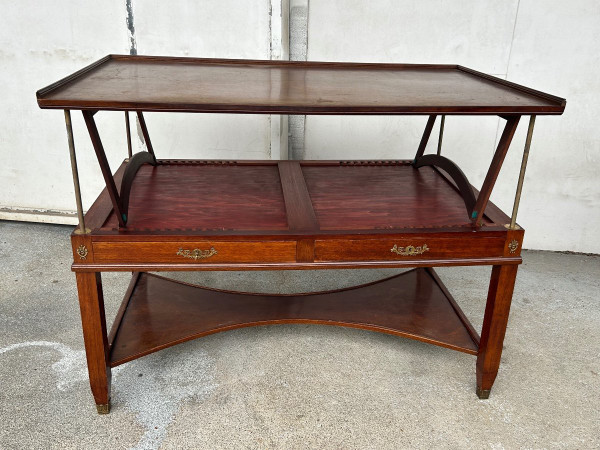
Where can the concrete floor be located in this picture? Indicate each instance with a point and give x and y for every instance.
(299, 386)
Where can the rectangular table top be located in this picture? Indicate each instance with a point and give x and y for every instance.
(263, 198)
(237, 215)
(148, 83)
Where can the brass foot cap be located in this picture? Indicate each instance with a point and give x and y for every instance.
(483, 394)
(103, 409)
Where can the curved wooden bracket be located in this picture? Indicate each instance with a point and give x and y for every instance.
(131, 169)
(475, 206)
(457, 175)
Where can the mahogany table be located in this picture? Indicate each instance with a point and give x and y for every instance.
(172, 215)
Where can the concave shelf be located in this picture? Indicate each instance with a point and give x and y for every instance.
(158, 312)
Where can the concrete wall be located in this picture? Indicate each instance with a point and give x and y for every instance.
(41, 42)
(550, 45)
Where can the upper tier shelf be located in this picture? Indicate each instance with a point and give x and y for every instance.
(276, 198)
(148, 83)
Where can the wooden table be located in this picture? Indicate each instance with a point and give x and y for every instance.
(171, 215)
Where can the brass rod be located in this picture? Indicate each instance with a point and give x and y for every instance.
(439, 149)
(128, 127)
(513, 218)
(82, 229)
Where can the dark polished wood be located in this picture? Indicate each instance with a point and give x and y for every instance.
(104, 167)
(494, 327)
(133, 165)
(122, 82)
(119, 317)
(162, 312)
(380, 249)
(425, 137)
(93, 322)
(394, 196)
(263, 251)
(406, 207)
(102, 207)
(455, 172)
(459, 312)
(327, 197)
(291, 215)
(298, 206)
(291, 265)
(494, 170)
(269, 215)
(212, 196)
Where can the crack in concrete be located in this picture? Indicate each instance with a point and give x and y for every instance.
(130, 28)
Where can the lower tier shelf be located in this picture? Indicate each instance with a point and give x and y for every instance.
(158, 312)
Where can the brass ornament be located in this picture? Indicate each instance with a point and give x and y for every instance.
(103, 409)
(410, 250)
(82, 251)
(513, 245)
(197, 253)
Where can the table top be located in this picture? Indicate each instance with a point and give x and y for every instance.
(236, 215)
(148, 83)
(226, 198)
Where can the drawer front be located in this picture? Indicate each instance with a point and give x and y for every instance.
(203, 252)
(406, 249)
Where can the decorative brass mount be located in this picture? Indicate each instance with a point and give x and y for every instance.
(410, 250)
(513, 245)
(197, 253)
(82, 251)
(103, 409)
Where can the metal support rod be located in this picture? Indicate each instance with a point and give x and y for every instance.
(513, 218)
(439, 149)
(82, 229)
(128, 127)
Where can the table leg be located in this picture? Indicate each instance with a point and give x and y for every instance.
(93, 321)
(497, 308)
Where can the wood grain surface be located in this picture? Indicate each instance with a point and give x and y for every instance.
(209, 85)
(237, 197)
(223, 197)
(162, 312)
(382, 197)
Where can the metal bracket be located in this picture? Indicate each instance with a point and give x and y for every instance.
(82, 229)
(441, 136)
(513, 218)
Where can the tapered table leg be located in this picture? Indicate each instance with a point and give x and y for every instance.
(497, 308)
(93, 321)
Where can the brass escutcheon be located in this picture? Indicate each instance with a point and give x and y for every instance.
(197, 253)
(410, 250)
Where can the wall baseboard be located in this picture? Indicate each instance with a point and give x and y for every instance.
(39, 215)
